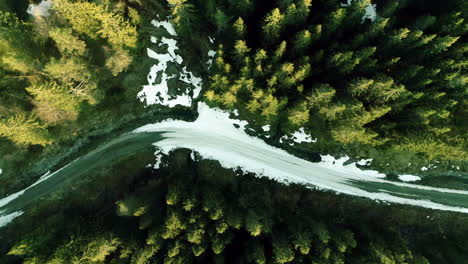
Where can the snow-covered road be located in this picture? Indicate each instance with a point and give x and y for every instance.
(213, 135)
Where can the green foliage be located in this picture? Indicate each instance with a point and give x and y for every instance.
(54, 103)
(282, 224)
(67, 43)
(95, 21)
(24, 129)
(183, 15)
(59, 62)
(273, 25)
(379, 74)
(239, 27)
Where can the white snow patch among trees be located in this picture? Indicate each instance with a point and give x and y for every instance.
(299, 136)
(332, 163)
(364, 162)
(409, 178)
(40, 10)
(371, 13)
(211, 54)
(158, 93)
(166, 25)
(266, 128)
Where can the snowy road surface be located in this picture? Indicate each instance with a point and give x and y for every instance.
(214, 136)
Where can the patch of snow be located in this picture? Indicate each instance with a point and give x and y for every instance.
(166, 25)
(6, 219)
(299, 136)
(371, 13)
(214, 136)
(211, 40)
(40, 10)
(211, 55)
(409, 178)
(1, 171)
(332, 163)
(192, 155)
(235, 112)
(158, 155)
(158, 93)
(266, 128)
(424, 169)
(154, 39)
(364, 162)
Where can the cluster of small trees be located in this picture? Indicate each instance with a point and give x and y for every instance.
(50, 66)
(200, 213)
(396, 81)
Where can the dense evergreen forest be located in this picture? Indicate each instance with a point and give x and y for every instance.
(67, 75)
(390, 87)
(197, 212)
(394, 82)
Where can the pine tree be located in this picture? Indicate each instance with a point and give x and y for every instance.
(302, 242)
(335, 20)
(240, 28)
(54, 103)
(280, 50)
(360, 86)
(222, 20)
(241, 49)
(67, 43)
(95, 21)
(282, 253)
(441, 44)
(302, 41)
(256, 253)
(321, 95)
(242, 7)
(24, 129)
(68, 71)
(183, 15)
(344, 62)
(273, 25)
(299, 115)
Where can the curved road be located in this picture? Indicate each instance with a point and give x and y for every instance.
(213, 135)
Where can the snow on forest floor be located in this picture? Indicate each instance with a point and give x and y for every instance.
(370, 12)
(158, 90)
(409, 178)
(215, 136)
(41, 9)
(299, 136)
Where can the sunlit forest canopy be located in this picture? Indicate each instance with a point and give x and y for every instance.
(57, 60)
(389, 75)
